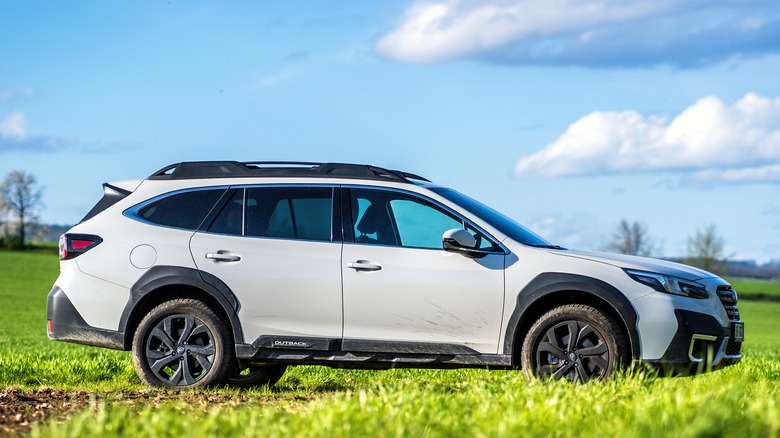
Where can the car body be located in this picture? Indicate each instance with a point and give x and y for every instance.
(215, 272)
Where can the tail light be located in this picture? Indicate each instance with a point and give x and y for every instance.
(73, 245)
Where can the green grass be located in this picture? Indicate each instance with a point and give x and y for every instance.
(742, 400)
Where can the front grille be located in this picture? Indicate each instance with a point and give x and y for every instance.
(733, 348)
(728, 297)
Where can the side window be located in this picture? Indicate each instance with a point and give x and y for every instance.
(230, 219)
(420, 225)
(181, 210)
(389, 218)
(289, 212)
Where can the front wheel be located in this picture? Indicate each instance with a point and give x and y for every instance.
(182, 343)
(575, 342)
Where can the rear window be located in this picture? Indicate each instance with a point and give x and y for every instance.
(303, 213)
(181, 210)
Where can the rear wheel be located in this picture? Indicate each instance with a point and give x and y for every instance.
(256, 375)
(182, 343)
(575, 342)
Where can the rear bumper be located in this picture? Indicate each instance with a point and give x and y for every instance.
(700, 344)
(64, 323)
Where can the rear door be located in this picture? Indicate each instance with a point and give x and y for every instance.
(275, 247)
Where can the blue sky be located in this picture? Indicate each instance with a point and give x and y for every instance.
(566, 115)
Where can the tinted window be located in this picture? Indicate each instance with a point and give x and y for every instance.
(182, 210)
(230, 219)
(289, 212)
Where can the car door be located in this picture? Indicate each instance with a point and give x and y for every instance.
(274, 247)
(403, 292)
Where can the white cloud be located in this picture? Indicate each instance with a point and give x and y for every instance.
(583, 32)
(770, 173)
(14, 135)
(13, 127)
(715, 141)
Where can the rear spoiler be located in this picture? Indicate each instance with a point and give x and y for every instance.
(111, 195)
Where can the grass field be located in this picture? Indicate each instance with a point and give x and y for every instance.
(754, 289)
(743, 400)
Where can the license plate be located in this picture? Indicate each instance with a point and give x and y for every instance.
(738, 331)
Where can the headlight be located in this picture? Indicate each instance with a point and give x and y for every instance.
(667, 284)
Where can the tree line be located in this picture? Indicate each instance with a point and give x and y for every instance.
(705, 247)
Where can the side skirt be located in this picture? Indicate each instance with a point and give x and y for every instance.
(361, 354)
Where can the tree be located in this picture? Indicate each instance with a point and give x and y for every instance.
(705, 248)
(631, 238)
(21, 199)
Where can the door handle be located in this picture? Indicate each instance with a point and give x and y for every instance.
(364, 265)
(223, 256)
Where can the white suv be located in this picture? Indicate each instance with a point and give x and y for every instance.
(227, 272)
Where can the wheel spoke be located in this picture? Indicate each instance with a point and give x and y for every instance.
(585, 332)
(574, 331)
(167, 328)
(596, 350)
(549, 369)
(583, 374)
(598, 362)
(189, 325)
(186, 367)
(203, 361)
(546, 347)
(563, 370)
(199, 329)
(177, 376)
(207, 350)
(164, 337)
(158, 365)
(155, 355)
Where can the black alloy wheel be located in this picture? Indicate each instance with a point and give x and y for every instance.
(182, 343)
(574, 342)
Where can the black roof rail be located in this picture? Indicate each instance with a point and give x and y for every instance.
(235, 169)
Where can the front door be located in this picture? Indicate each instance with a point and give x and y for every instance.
(403, 292)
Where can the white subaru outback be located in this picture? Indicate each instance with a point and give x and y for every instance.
(227, 272)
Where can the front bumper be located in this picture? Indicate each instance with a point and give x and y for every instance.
(700, 344)
(64, 323)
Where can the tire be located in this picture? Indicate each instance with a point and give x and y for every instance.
(182, 343)
(575, 342)
(256, 375)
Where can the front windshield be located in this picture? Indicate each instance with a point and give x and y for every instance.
(497, 220)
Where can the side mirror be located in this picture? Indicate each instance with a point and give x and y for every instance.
(462, 242)
(458, 239)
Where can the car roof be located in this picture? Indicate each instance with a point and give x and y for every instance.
(277, 169)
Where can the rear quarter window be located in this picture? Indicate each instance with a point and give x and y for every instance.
(181, 210)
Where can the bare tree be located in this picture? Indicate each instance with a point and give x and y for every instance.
(631, 238)
(705, 248)
(21, 199)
